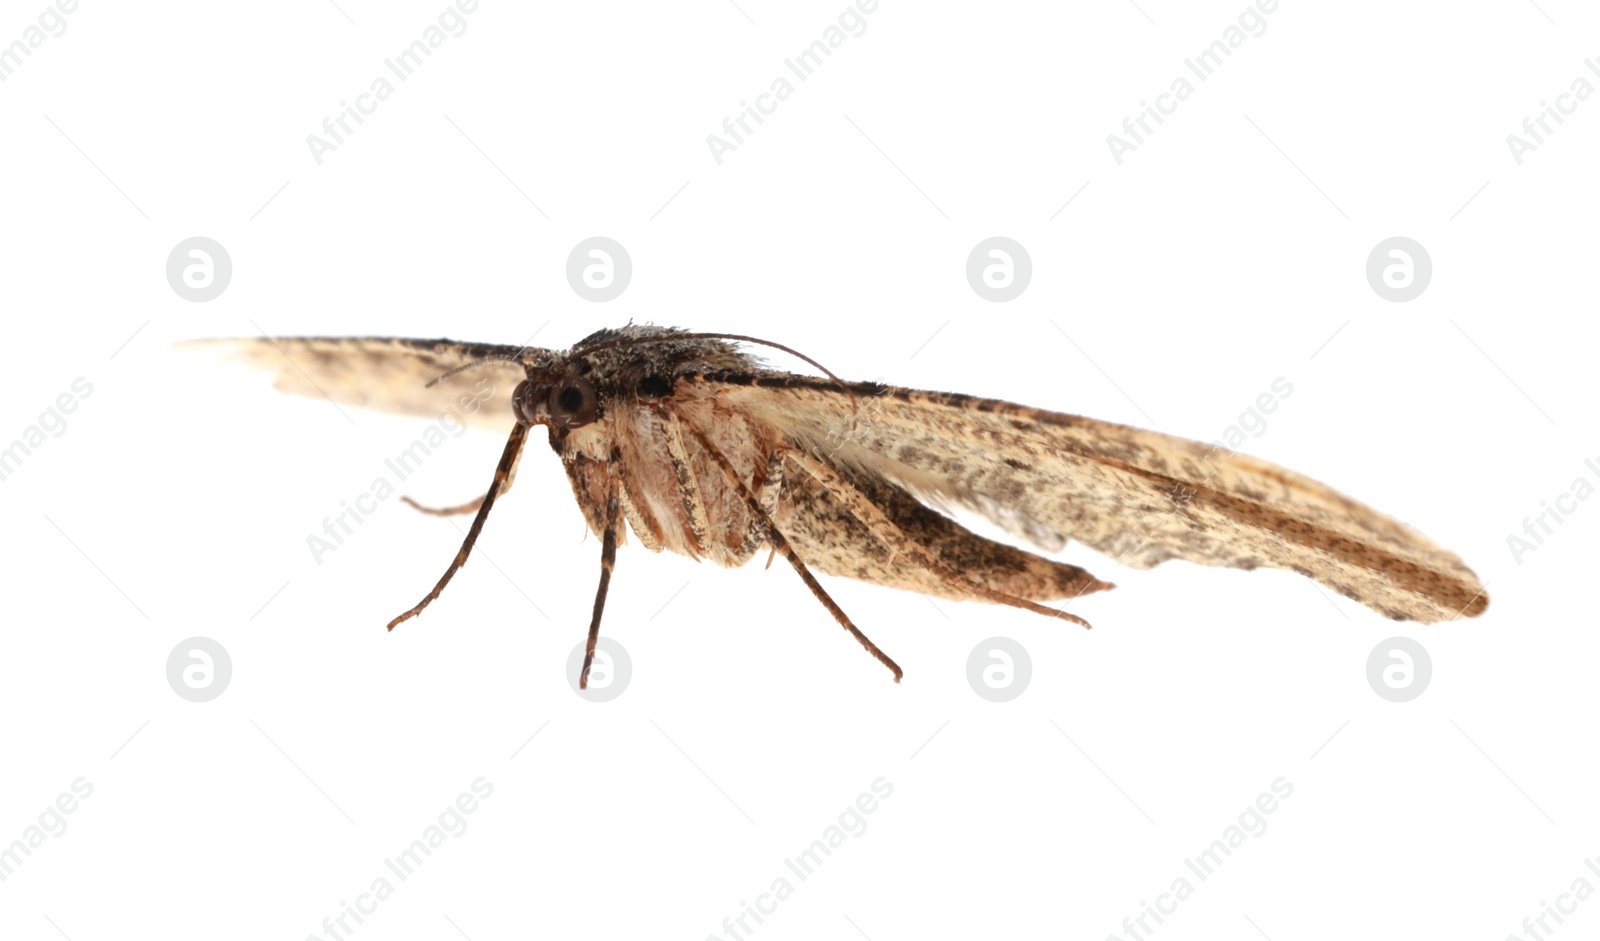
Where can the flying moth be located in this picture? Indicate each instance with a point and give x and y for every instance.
(696, 447)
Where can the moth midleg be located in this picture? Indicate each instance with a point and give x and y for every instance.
(782, 547)
(644, 526)
(767, 493)
(608, 561)
(882, 528)
(772, 484)
(470, 506)
(502, 473)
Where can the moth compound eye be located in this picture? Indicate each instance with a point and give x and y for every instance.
(573, 402)
(522, 403)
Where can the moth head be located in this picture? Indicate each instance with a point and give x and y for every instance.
(568, 400)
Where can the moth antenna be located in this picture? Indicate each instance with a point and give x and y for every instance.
(740, 338)
(472, 365)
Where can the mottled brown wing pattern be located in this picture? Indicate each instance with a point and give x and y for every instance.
(1138, 496)
(388, 373)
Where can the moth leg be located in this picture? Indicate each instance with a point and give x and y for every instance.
(693, 501)
(469, 507)
(457, 510)
(781, 546)
(608, 560)
(768, 490)
(502, 473)
(885, 531)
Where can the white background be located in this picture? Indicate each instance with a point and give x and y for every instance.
(1224, 253)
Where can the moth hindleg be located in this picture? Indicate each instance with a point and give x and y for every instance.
(502, 473)
(781, 546)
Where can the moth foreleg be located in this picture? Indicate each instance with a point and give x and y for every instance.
(502, 473)
(781, 546)
(608, 560)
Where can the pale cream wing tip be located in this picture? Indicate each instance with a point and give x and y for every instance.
(258, 353)
(382, 373)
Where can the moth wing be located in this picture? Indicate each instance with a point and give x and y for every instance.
(853, 522)
(390, 374)
(1138, 496)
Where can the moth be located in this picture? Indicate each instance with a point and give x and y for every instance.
(698, 448)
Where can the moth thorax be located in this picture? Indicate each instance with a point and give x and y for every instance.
(652, 388)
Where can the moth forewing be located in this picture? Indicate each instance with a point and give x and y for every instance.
(390, 374)
(1112, 487)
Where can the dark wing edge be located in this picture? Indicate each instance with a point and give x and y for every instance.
(389, 374)
(1138, 496)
